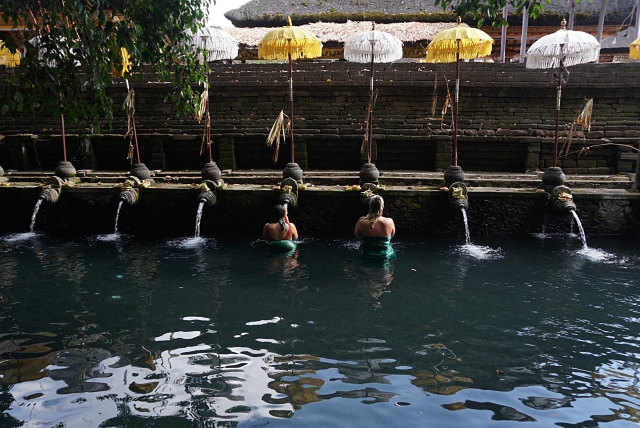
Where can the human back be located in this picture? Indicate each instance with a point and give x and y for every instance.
(375, 231)
(374, 223)
(279, 228)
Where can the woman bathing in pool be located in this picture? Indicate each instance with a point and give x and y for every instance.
(375, 231)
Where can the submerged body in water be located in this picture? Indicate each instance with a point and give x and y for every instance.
(375, 231)
(280, 233)
(376, 247)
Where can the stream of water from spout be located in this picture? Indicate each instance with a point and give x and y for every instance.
(115, 228)
(467, 235)
(198, 218)
(477, 251)
(579, 223)
(35, 214)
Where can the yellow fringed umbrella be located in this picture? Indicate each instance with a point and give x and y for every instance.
(7, 58)
(454, 44)
(634, 49)
(289, 43)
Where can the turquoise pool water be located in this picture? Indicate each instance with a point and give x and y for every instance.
(115, 331)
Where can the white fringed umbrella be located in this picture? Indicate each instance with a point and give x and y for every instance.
(217, 44)
(564, 47)
(374, 47)
(559, 50)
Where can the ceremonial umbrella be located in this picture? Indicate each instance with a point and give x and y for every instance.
(7, 58)
(454, 44)
(372, 46)
(634, 49)
(559, 50)
(216, 44)
(289, 43)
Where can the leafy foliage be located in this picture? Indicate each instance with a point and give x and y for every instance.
(491, 10)
(72, 54)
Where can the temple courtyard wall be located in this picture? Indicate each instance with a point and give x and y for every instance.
(507, 117)
(506, 137)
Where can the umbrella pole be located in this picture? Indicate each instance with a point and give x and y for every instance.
(133, 122)
(455, 108)
(209, 131)
(209, 137)
(291, 104)
(135, 137)
(555, 142)
(64, 140)
(370, 118)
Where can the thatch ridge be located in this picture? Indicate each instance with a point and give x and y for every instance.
(267, 12)
(332, 32)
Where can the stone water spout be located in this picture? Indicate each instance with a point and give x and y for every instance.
(562, 200)
(458, 197)
(288, 192)
(367, 191)
(51, 189)
(129, 192)
(208, 192)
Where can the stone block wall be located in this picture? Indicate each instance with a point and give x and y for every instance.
(506, 120)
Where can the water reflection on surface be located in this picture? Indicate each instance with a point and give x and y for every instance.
(207, 332)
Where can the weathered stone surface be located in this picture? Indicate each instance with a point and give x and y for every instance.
(408, 124)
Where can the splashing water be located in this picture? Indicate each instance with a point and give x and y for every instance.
(477, 251)
(20, 237)
(467, 235)
(115, 228)
(199, 218)
(596, 255)
(579, 223)
(593, 254)
(35, 214)
(113, 236)
(481, 252)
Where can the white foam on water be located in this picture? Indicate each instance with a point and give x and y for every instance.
(111, 237)
(596, 255)
(188, 243)
(19, 237)
(481, 252)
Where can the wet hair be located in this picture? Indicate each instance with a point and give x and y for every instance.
(376, 206)
(277, 213)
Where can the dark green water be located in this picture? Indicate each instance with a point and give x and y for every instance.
(204, 333)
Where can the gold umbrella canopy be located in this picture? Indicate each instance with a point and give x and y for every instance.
(289, 43)
(459, 42)
(7, 58)
(634, 49)
(452, 45)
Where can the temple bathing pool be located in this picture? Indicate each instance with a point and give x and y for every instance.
(115, 331)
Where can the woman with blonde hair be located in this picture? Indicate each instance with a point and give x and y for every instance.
(375, 231)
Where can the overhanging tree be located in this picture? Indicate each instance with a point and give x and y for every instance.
(72, 51)
(491, 10)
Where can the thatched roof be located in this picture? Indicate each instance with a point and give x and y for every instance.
(256, 10)
(331, 32)
(269, 11)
